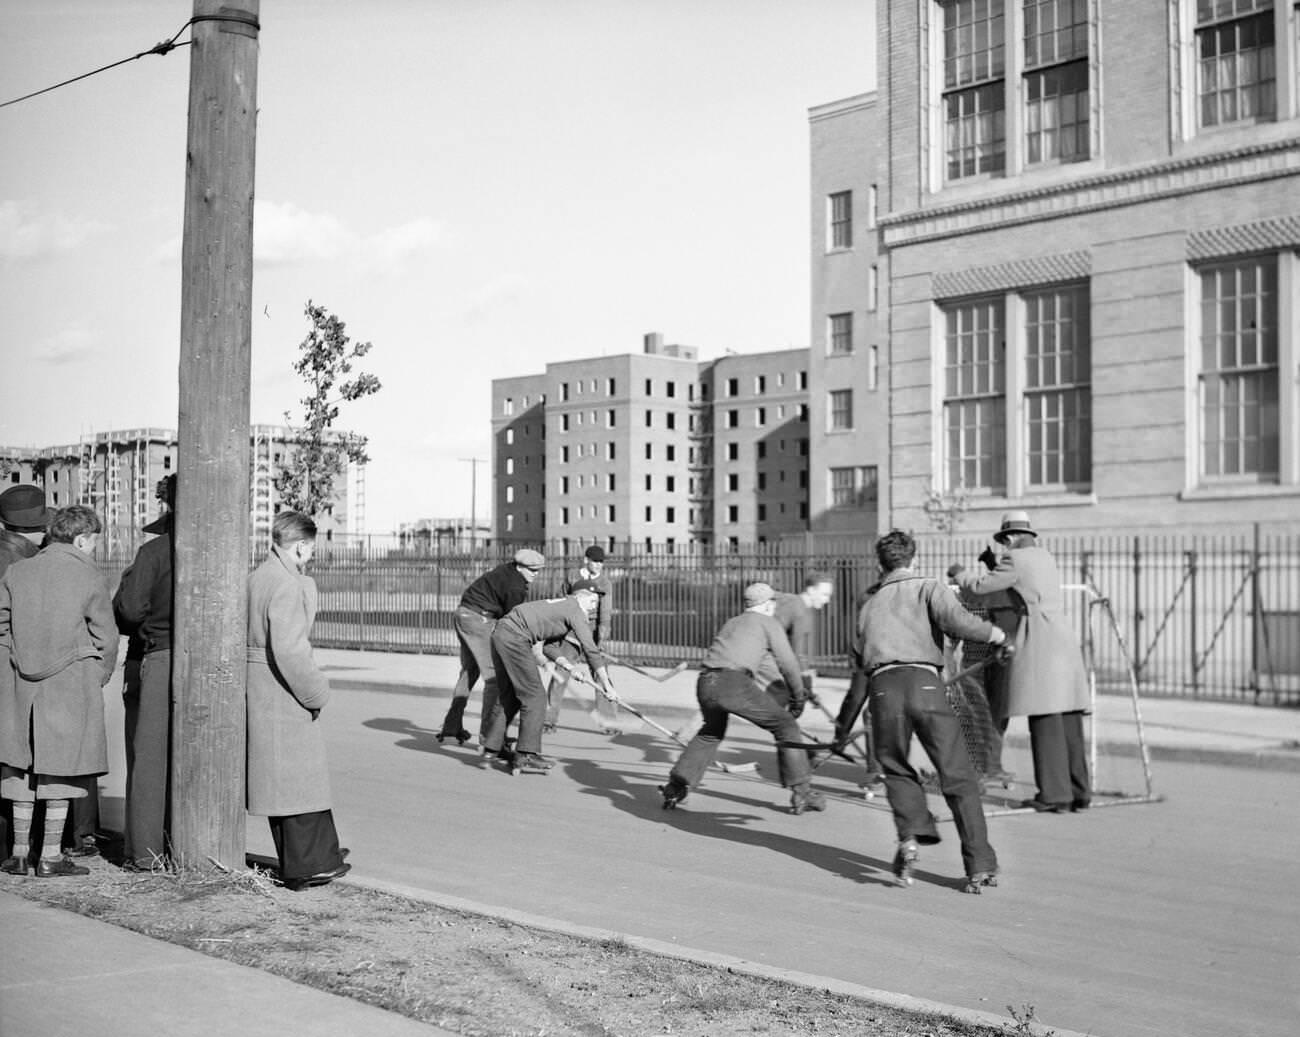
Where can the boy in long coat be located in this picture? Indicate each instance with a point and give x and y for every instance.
(288, 778)
(1047, 682)
(58, 647)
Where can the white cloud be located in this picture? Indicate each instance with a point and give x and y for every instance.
(388, 250)
(72, 345)
(26, 232)
(284, 234)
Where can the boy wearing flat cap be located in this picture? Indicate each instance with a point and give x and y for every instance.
(483, 604)
(590, 574)
(726, 687)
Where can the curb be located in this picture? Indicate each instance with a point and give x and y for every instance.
(729, 963)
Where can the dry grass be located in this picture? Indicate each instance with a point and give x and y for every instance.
(471, 974)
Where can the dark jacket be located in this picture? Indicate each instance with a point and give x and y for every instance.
(14, 547)
(497, 591)
(604, 587)
(143, 602)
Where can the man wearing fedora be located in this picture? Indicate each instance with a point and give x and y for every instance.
(23, 517)
(1047, 682)
(483, 604)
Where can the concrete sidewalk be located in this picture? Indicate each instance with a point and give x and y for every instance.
(64, 975)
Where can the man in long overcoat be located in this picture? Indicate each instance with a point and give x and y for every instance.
(1047, 682)
(288, 776)
(58, 647)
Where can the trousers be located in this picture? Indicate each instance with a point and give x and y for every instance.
(306, 844)
(519, 693)
(147, 697)
(1060, 758)
(910, 700)
(722, 694)
(474, 631)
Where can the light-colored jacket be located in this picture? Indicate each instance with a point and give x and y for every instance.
(287, 770)
(58, 647)
(1047, 674)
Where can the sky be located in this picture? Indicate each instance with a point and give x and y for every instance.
(476, 187)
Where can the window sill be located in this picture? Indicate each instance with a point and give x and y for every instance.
(1239, 491)
(1033, 500)
(840, 251)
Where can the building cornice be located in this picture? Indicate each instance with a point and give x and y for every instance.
(1167, 179)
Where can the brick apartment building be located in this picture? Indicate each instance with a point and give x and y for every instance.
(1086, 260)
(653, 448)
(117, 474)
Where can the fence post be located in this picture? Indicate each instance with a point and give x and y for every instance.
(1256, 615)
(1137, 607)
(1195, 647)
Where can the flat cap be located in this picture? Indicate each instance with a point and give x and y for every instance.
(757, 593)
(22, 509)
(529, 558)
(586, 585)
(596, 553)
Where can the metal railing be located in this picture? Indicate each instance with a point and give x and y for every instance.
(1214, 616)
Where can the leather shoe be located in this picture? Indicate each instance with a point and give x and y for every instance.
(1080, 805)
(58, 867)
(319, 879)
(84, 848)
(1043, 808)
(14, 866)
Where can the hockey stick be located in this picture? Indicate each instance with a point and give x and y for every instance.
(646, 673)
(729, 768)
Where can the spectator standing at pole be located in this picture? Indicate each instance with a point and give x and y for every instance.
(901, 629)
(590, 574)
(23, 517)
(1047, 682)
(143, 605)
(288, 776)
(482, 605)
(726, 687)
(58, 648)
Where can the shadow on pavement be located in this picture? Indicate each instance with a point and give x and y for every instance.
(642, 801)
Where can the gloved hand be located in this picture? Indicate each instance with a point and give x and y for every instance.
(954, 569)
(988, 559)
(796, 706)
(1004, 652)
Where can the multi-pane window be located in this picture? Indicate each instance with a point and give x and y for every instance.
(841, 333)
(841, 219)
(840, 409)
(974, 88)
(856, 486)
(974, 395)
(1239, 369)
(1017, 397)
(1236, 77)
(1058, 392)
(1056, 80)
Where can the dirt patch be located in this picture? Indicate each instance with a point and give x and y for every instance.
(471, 974)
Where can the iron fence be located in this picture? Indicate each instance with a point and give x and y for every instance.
(1213, 616)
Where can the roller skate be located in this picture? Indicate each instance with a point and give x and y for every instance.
(462, 736)
(674, 792)
(531, 763)
(804, 798)
(905, 862)
(976, 883)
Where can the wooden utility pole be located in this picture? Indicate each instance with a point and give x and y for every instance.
(473, 462)
(212, 498)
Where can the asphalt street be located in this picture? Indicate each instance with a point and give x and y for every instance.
(1176, 917)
